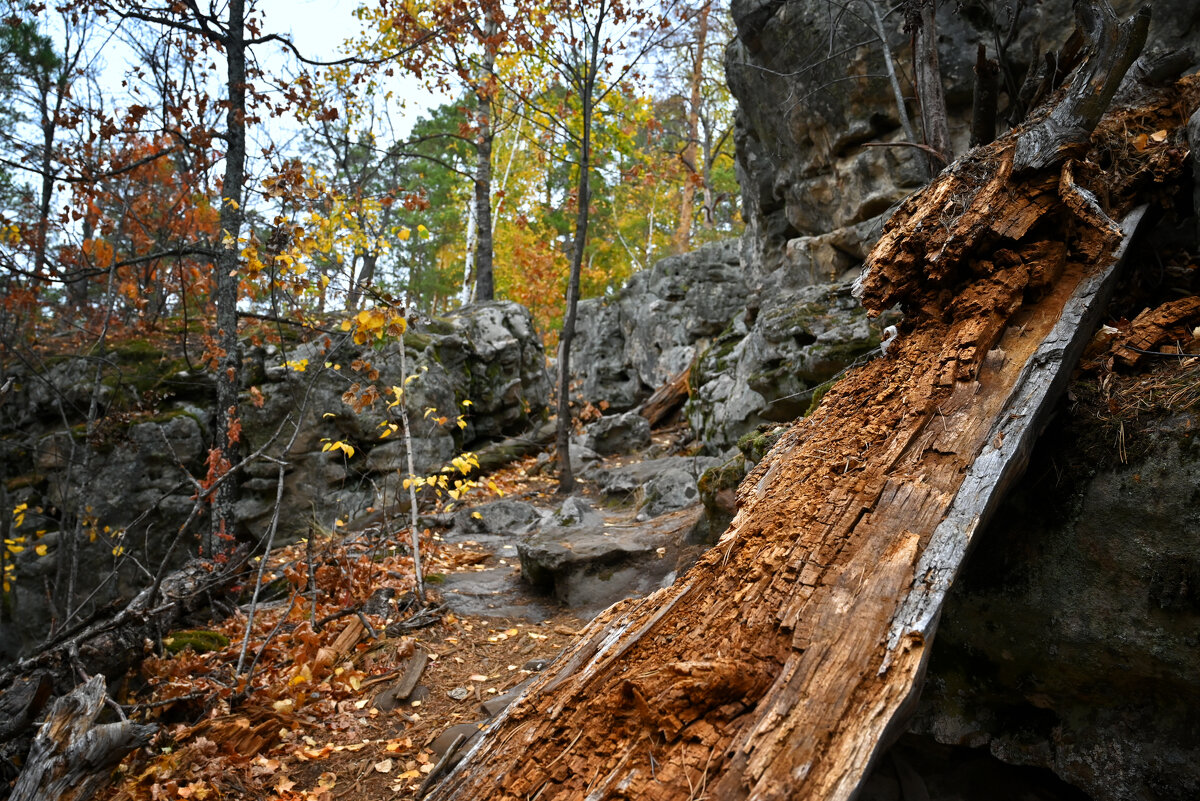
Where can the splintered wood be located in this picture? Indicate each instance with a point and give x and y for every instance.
(785, 660)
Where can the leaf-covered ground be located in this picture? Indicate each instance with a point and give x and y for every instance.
(310, 723)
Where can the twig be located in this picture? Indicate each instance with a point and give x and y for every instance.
(440, 767)
(918, 145)
(250, 671)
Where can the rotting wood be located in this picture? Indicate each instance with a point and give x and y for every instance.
(402, 688)
(667, 398)
(782, 663)
(1113, 46)
(1157, 328)
(72, 757)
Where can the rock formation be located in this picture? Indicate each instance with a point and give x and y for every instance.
(133, 481)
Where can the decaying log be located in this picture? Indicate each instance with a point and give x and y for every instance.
(71, 757)
(667, 398)
(111, 642)
(781, 664)
(498, 454)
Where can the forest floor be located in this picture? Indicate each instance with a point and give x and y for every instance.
(315, 721)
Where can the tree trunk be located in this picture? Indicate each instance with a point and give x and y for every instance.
(227, 264)
(485, 283)
(782, 664)
(687, 203)
(72, 757)
(363, 278)
(929, 84)
(986, 100)
(587, 88)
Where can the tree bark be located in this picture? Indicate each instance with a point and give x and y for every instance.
(1111, 47)
(690, 156)
(929, 84)
(781, 665)
(586, 86)
(986, 100)
(226, 264)
(667, 398)
(485, 283)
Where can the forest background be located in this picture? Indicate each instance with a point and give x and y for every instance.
(113, 197)
(183, 206)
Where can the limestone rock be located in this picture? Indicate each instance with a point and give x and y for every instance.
(591, 563)
(669, 491)
(629, 346)
(628, 481)
(617, 433)
(134, 472)
(1069, 642)
(507, 517)
(802, 165)
(799, 341)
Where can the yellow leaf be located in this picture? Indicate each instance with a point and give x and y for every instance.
(40, 550)
(404, 234)
(476, 515)
(1159, 136)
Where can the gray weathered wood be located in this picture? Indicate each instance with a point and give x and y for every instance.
(1112, 47)
(1012, 436)
(72, 757)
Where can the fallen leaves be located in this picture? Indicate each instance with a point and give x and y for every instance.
(309, 724)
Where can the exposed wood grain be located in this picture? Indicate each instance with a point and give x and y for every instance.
(782, 663)
(72, 757)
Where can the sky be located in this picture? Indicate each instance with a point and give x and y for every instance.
(317, 27)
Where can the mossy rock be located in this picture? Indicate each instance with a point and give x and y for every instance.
(198, 640)
(716, 482)
(817, 395)
(758, 442)
(718, 488)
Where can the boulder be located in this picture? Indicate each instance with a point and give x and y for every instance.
(1069, 641)
(627, 481)
(504, 517)
(669, 491)
(588, 562)
(617, 433)
(799, 341)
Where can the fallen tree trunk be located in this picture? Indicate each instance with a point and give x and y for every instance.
(781, 665)
(72, 757)
(667, 398)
